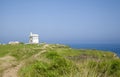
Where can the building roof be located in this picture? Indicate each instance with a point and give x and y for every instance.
(36, 35)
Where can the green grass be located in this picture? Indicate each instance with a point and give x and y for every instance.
(19, 51)
(62, 61)
(56, 67)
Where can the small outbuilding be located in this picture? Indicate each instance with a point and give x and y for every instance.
(14, 42)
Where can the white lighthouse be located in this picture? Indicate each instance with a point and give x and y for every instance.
(34, 38)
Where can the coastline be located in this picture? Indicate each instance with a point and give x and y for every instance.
(105, 47)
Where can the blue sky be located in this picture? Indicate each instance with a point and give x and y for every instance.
(61, 21)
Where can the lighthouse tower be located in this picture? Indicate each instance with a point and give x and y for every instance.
(33, 38)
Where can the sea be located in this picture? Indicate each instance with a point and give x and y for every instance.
(105, 47)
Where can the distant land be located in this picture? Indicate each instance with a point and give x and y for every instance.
(105, 47)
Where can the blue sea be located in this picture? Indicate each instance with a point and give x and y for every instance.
(106, 47)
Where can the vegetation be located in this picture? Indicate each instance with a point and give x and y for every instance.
(54, 60)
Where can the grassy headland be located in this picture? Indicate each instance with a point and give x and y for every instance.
(54, 60)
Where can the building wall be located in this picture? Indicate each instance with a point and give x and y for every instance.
(34, 38)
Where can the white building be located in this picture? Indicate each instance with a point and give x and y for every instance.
(14, 42)
(34, 38)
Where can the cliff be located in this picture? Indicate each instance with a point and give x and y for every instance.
(54, 60)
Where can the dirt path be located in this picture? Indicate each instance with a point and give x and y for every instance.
(12, 71)
(9, 66)
(44, 50)
(36, 55)
(7, 62)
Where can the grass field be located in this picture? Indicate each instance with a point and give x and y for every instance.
(54, 60)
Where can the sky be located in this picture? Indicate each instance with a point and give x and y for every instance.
(61, 21)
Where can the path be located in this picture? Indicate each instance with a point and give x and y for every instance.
(12, 71)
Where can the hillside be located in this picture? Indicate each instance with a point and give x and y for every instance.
(54, 60)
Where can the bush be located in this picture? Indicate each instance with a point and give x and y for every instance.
(114, 68)
(109, 68)
(58, 66)
(52, 55)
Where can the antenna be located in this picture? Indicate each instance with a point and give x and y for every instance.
(30, 33)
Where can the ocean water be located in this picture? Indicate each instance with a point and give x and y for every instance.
(106, 47)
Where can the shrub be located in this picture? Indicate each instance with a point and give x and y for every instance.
(52, 55)
(114, 68)
(58, 66)
(103, 68)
